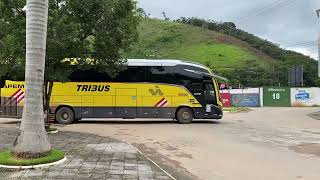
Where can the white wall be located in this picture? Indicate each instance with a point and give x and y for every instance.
(301, 97)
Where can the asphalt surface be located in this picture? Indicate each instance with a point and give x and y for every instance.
(264, 144)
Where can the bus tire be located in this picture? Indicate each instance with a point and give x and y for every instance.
(184, 115)
(65, 115)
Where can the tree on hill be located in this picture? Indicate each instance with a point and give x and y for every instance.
(92, 33)
(165, 16)
(142, 13)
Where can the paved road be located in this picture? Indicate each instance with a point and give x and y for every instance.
(264, 144)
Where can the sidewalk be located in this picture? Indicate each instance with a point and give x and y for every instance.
(89, 157)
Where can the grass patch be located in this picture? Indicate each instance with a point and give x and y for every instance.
(217, 55)
(236, 109)
(6, 158)
(51, 129)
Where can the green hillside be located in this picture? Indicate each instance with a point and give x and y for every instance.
(250, 61)
(169, 40)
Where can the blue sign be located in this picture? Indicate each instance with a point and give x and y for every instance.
(302, 95)
(245, 100)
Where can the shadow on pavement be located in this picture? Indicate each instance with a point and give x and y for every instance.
(144, 122)
(120, 121)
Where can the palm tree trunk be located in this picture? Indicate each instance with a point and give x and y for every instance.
(32, 140)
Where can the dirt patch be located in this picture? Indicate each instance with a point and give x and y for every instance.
(309, 149)
(222, 38)
(171, 166)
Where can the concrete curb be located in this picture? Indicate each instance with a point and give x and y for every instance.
(173, 178)
(53, 132)
(35, 166)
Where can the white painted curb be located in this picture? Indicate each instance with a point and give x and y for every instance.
(173, 178)
(53, 132)
(35, 166)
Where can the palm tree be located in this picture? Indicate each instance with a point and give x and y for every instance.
(32, 140)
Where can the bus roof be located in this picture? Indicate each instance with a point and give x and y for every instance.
(166, 62)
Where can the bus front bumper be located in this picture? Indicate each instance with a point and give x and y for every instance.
(209, 112)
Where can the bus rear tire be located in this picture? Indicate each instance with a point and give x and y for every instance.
(184, 115)
(65, 115)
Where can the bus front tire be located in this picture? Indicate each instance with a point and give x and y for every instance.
(65, 115)
(184, 115)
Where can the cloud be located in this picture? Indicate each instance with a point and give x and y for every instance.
(281, 21)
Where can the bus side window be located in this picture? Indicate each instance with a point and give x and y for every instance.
(196, 87)
(131, 74)
(160, 74)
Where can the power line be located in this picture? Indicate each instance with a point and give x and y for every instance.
(261, 9)
(301, 43)
(309, 49)
(304, 44)
(276, 4)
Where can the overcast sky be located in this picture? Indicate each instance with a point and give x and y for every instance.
(291, 23)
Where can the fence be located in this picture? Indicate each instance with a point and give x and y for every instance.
(8, 107)
(304, 97)
(271, 97)
(241, 97)
(276, 97)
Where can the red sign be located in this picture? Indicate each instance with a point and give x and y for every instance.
(226, 99)
(222, 86)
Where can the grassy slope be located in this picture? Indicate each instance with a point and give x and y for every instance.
(168, 40)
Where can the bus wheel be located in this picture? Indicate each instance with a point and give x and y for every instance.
(184, 115)
(65, 115)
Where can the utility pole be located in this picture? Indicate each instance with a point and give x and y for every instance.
(319, 55)
(302, 76)
(318, 14)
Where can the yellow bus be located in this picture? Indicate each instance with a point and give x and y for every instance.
(167, 89)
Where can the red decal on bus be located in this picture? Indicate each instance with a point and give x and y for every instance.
(162, 103)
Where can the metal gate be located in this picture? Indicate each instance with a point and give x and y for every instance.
(8, 107)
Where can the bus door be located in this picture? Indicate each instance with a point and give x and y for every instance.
(126, 103)
(197, 91)
(209, 92)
